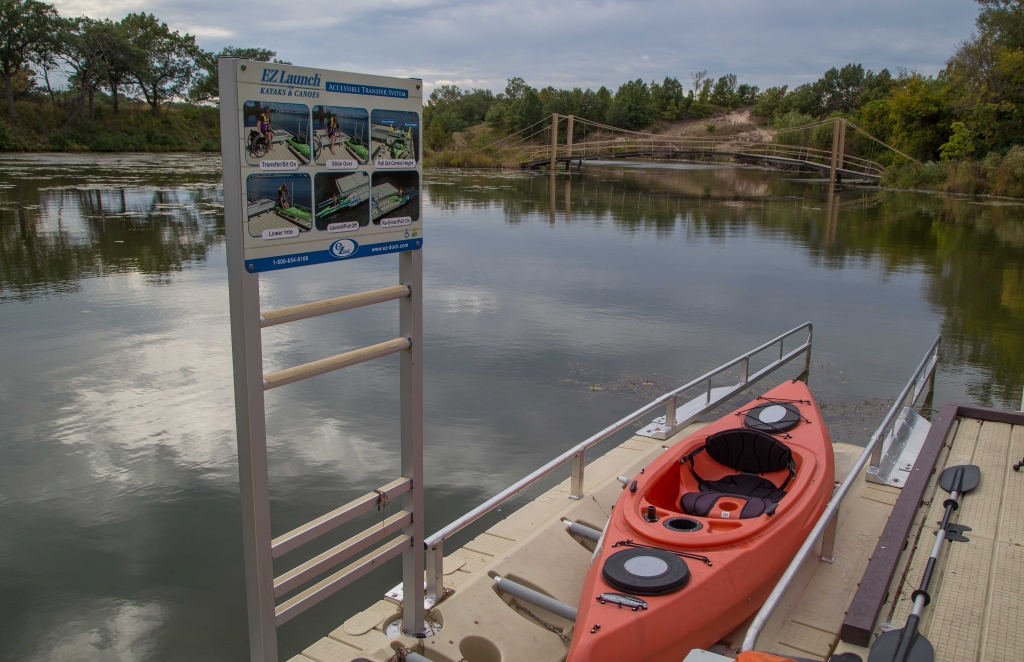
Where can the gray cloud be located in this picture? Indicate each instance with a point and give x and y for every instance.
(574, 42)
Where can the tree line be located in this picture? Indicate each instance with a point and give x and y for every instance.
(973, 108)
(635, 105)
(138, 57)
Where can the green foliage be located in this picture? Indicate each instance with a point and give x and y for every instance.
(748, 94)
(27, 28)
(724, 92)
(166, 62)
(631, 107)
(960, 145)
(914, 118)
(669, 100)
(768, 102)
(6, 139)
(206, 88)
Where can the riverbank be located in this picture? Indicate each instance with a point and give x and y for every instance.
(190, 128)
(40, 128)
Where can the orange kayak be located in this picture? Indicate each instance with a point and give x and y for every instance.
(698, 540)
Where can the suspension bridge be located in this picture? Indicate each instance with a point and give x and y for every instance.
(791, 148)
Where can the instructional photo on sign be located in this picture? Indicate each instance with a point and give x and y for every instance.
(277, 135)
(395, 138)
(395, 199)
(341, 137)
(278, 205)
(342, 201)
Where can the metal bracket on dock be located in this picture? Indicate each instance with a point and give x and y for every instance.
(688, 413)
(901, 448)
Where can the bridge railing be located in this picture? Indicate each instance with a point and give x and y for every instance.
(670, 145)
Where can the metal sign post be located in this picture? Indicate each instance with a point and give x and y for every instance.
(321, 167)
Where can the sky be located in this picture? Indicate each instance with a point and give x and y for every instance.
(569, 43)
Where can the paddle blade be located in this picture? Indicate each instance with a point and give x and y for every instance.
(970, 480)
(884, 649)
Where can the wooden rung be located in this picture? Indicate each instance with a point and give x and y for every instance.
(336, 362)
(339, 580)
(326, 306)
(337, 517)
(298, 576)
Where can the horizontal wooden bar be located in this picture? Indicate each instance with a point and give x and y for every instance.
(327, 306)
(321, 563)
(289, 609)
(336, 362)
(874, 585)
(337, 517)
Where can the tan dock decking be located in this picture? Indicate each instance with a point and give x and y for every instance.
(271, 220)
(976, 611)
(279, 151)
(532, 547)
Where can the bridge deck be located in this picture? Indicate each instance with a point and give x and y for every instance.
(681, 154)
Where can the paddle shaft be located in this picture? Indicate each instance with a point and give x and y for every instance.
(921, 594)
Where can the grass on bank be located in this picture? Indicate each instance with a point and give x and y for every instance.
(996, 174)
(180, 128)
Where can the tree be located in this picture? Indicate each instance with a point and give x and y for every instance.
(669, 100)
(914, 118)
(748, 94)
(120, 58)
(525, 111)
(168, 61)
(632, 108)
(599, 108)
(207, 85)
(768, 102)
(724, 92)
(84, 43)
(26, 29)
(960, 145)
(986, 76)
(1003, 21)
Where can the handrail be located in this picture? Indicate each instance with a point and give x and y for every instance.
(832, 509)
(558, 461)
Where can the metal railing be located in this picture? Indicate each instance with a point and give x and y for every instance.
(828, 518)
(435, 543)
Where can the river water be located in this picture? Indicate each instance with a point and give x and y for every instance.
(549, 313)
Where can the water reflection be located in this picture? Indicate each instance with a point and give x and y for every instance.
(554, 303)
(81, 218)
(971, 253)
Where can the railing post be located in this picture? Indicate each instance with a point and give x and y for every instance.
(746, 369)
(554, 140)
(828, 540)
(842, 143)
(577, 476)
(708, 395)
(410, 321)
(435, 572)
(835, 151)
(670, 413)
(568, 136)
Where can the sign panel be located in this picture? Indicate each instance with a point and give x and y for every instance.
(331, 165)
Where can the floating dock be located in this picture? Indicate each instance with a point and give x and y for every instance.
(975, 613)
(342, 150)
(264, 215)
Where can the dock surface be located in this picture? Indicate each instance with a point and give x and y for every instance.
(532, 547)
(975, 612)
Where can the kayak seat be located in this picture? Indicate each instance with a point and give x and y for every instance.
(751, 453)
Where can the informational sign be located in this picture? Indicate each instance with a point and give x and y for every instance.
(331, 165)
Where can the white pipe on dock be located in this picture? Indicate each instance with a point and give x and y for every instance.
(548, 603)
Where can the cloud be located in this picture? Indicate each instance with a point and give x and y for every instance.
(576, 42)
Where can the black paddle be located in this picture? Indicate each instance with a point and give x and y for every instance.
(906, 644)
